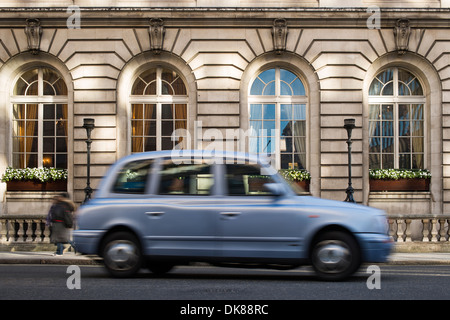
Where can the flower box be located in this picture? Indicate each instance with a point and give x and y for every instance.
(304, 184)
(399, 180)
(35, 179)
(36, 185)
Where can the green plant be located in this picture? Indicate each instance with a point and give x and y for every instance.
(40, 174)
(295, 174)
(395, 174)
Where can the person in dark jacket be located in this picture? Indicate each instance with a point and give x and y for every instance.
(60, 220)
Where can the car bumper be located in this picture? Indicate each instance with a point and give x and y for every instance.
(87, 241)
(375, 247)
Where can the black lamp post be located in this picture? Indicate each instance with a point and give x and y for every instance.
(88, 124)
(349, 125)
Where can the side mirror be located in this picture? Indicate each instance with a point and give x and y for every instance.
(276, 189)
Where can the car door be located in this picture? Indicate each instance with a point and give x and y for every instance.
(180, 218)
(255, 223)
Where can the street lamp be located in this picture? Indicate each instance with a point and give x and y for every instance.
(88, 124)
(349, 125)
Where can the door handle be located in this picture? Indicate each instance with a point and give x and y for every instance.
(154, 213)
(229, 214)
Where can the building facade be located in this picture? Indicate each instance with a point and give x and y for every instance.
(244, 75)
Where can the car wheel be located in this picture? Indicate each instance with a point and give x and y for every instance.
(335, 256)
(159, 267)
(122, 255)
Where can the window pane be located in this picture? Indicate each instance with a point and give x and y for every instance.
(374, 161)
(387, 112)
(404, 161)
(150, 128)
(185, 179)
(286, 112)
(417, 111)
(388, 128)
(255, 111)
(49, 128)
(166, 128)
(132, 178)
(388, 89)
(48, 89)
(386, 76)
(61, 161)
(167, 111)
(388, 161)
(300, 128)
(61, 128)
(32, 111)
(285, 89)
(166, 144)
(61, 111)
(374, 111)
(31, 160)
(403, 90)
(150, 144)
(299, 111)
(269, 112)
(49, 111)
(286, 161)
(137, 144)
(286, 128)
(137, 111)
(387, 145)
(374, 145)
(49, 144)
(404, 129)
(257, 87)
(61, 144)
(416, 88)
(246, 180)
(298, 88)
(375, 88)
(404, 145)
(269, 89)
(267, 76)
(48, 160)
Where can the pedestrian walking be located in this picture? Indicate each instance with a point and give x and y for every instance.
(60, 220)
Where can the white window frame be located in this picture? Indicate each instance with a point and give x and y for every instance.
(396, 100)
(278, 100)
(40, 100)
(159, 99)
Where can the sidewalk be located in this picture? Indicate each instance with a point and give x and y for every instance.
(70, 258)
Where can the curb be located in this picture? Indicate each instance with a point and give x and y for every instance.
(47, 258)
(70, 258)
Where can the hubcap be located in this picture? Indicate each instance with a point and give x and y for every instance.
(332, 256)
(121, 255)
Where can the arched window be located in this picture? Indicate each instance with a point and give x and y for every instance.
(277, 109)
(39, 129)
(396, 121)
(158, 108)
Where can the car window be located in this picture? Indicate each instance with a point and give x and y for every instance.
(246, 180)
(185, 179)
(132, 178)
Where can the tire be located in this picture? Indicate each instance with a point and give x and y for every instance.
(159, 268)
(335, 256)
(122, 254)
